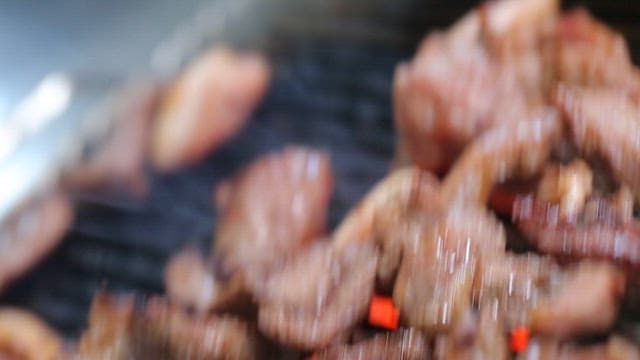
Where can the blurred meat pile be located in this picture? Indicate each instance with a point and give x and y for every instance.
(517, 118)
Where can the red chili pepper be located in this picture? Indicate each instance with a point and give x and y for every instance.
(383, 314)
(519, 339)
(501, 201)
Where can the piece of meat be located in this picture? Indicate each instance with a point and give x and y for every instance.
(591, 54)
(456, 85)
(481, 336)
(165, 331)
(500, 19)
(118, 163)
(616, 348)
(24, 336)
(191, 281)
(31, 233)
(210, 102)
(277, 206)
(604, 122)
(599, 232)
(109, 335)
(434, 284)
(512, 285)
(514, 149)
(511, 25)
(402, 191)
(622, 201)
(390, 215)
(568, 186)
(448, 95)
(517, 34)
(562, 303)
(317, 295)
(405, 344)
(118, 329)
(586, 301)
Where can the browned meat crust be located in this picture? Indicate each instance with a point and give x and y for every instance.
(514, 149)
(512, 285)
(589, 53)
(586, 300)
(31, 234)
(616, 348)
(434, 284)
(598, 232)
(276, 207)
(604, 122)
(207, 104)
(318, 295)
(118, 163)
(391, 215)
(23, 336)
(456, 86)
(120, 330)
(405, 344)
(478, 336)
(192, 281)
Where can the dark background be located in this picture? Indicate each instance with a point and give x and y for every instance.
(331, 89)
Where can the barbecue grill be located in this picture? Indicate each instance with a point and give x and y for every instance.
(334, 64)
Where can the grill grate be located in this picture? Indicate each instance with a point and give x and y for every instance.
(328, 93)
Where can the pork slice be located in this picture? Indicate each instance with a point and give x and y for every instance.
(434, 284)
(489, 69)
(278, 205)
(514, 149)
(24, 335)
(391, 200)
(480, 336)
(164, 331)
(589, 53)
(208, 104)
(512, 285)
(391, 214)
(447, 95)
(604, 122)
(599, 232)
(31, 233)
(118, 329)
(193, 282)
(511, 25)
(109, 335)
(406, 344)
(318, 295)
(586, 301)
(616, 348)
(117, 164)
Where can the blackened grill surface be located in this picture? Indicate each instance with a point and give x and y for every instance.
(332, 93)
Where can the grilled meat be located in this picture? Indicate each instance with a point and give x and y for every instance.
(478, 336)
(604, 122)
(404, 344)
(318, 295)
(277, 206)
(434, 284)
(23, 336)
(207, 104)
(515, 149)
(31, 233)
(118, 329)
(597, 232)
(190, 280)
(616, 348)
(390, 216)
